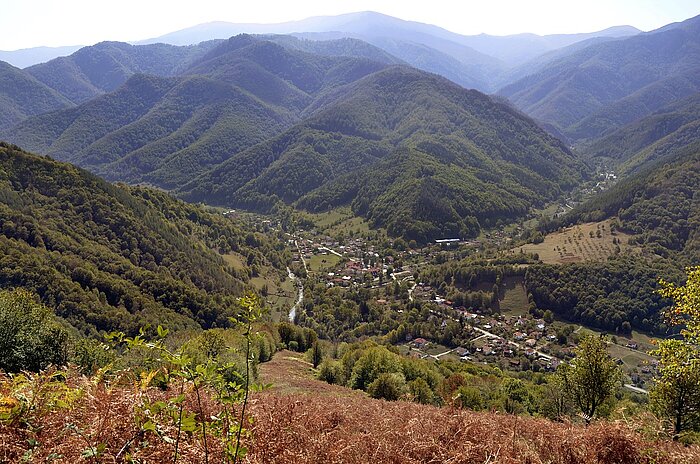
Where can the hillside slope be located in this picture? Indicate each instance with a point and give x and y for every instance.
(111, 257)
(410, 150)
(318, 425)
(658, 203)
(22, 96)
(611, 84)
(103, 67)
(155, 130)
(654, 138)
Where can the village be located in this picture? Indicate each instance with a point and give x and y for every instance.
(513, 340)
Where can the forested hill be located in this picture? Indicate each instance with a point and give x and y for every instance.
(154, 129)
(410, 150)
(165, 130)
(659, 203)
(22, 96)
(115, 257)
(100, 68)
(608, 85)
(656, 138)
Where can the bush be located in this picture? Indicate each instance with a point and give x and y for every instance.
(388, 386)
(372, 364)
(420, 391)
(30, 336)
(470, 397)
(91, 355)
(331, 372)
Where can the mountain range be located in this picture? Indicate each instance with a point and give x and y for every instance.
(251, 122)
(479, 61)
(343, 112)
(607, 85)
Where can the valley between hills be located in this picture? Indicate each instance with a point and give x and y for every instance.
(352, 238)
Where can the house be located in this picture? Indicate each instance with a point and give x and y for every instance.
(531, 342)
(519, 336)
(461, 351)
(420, 343)
(530, 353)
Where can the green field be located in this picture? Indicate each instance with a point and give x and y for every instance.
(340, 222)
(513, 297)
(280, 296)
(320, 262)
(575, 244)
(631, 358)
(234, 260)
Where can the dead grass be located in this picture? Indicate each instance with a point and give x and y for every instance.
(302, 421)
(103, 416)
(289, 373)
(311, 429)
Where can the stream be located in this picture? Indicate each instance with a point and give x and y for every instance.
(300, 296)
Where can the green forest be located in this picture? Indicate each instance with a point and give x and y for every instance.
(112, 257)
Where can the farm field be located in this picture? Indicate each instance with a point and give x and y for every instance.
(323, 262)
(513, 298)
(592, 241)
(280, 295)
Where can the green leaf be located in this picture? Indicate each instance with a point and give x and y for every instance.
(149, 427)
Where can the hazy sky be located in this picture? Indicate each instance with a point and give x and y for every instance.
(30, 23)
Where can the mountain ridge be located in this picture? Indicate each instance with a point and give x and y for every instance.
(592, 81)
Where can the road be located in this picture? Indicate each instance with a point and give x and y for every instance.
(330, 250)
(410, 291)
(301, 255)
(636, 389)
(438, 356)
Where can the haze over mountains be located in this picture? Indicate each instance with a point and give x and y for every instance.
(607, 85)
(478, 61)
(342, 112)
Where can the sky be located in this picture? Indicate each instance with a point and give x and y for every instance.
(31, 23)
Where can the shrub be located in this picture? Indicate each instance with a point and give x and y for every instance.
(420, 391)
(30, 336)
(388, 386)
(91, 355)
(331, 372)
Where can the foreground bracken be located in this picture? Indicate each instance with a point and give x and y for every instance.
(310, 429)
(320, 428)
